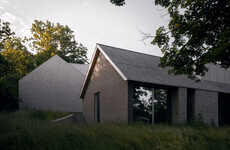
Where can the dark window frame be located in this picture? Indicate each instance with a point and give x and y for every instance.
(97, 106)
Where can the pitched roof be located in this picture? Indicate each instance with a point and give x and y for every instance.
(83, 68)
(135, 66)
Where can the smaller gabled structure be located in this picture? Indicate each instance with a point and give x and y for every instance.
(54, 86)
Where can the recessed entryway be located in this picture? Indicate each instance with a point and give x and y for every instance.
(224, 110)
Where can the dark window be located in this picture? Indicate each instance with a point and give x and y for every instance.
(97, 106)
(190, 105)
(223, 107)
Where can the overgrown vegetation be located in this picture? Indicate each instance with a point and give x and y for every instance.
(22, 132)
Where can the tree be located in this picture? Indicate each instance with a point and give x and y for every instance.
(118, 2)
(198, 33)
(5, 33)
(49, 39)
(3, 66)
(15, 62)
(20, 60)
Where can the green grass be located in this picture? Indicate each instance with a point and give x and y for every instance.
(23, 132)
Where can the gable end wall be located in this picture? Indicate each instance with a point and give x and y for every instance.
(53, 86)
(113, 93)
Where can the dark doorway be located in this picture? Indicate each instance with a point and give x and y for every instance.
(97, 107)
(190, 105)
(224, 109)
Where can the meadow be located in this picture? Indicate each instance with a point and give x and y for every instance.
(35, 131)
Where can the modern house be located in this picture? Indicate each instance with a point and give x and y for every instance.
(54, 86)
(109, 87)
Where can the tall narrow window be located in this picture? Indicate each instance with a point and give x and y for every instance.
(190, 105)
(97, 106)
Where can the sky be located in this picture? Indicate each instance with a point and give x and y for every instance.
(93, 21)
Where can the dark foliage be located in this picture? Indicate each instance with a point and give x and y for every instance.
(5, 32)
(118, 2)
(198, 33)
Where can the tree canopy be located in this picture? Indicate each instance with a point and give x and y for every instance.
(49, 39)
(5, 32)
(20, 60)
(8, 74)
(198, 33)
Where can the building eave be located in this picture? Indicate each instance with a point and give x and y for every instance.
(92, 63)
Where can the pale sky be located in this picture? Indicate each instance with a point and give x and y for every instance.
(93, 21)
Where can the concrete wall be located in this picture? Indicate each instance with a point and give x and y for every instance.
(55, 85)
(206, 106)
(218, 74)
(113, 93)
(179, 105)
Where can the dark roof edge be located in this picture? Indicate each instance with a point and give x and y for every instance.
(122, 49)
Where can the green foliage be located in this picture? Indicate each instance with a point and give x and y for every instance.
(12, 67)
(5, 33)
(198, 33)
(20, 132)
(9, 92)
(118, 2)
(49, 39)
(20, 60)
(16, 62)
(3, 66)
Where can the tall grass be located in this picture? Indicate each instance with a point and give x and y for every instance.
(26, 133)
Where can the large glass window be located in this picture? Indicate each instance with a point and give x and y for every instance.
(144, 103)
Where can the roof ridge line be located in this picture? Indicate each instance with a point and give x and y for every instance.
(122, 49)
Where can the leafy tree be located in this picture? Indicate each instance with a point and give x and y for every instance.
(118, 2)
(198, 33)
(9, 92)
(5, 33)
(15, 62)
(8, 86)
(3, 66)
(49, 39)
(20, 60)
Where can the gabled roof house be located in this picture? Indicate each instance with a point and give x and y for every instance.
(55, 85)
(109, 86)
